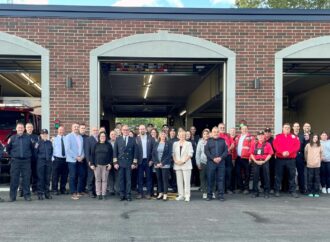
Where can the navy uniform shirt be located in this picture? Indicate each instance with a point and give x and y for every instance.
(20, 147)
(43, 150)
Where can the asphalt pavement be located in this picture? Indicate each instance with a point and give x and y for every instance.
(239, 218)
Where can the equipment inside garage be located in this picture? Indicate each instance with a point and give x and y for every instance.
(186, 92)
(306, 88)
(20, 97)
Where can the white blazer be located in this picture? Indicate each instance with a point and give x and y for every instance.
(187, 150)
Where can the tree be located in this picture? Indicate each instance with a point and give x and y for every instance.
(302, 4)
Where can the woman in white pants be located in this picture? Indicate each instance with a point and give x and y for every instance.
(182, 154)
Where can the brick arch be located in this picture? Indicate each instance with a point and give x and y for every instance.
(315, 48)
(14, 45)
(172, 46)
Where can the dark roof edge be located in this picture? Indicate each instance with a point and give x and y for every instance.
(156, 13)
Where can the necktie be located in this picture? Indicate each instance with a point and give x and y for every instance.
(62, 147)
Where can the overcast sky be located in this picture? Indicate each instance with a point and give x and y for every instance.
(136, 3)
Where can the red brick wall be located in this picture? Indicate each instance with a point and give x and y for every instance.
(70, 41)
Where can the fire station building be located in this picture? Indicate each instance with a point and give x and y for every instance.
(192, 66)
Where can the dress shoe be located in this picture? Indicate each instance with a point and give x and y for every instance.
(20, 193)
(221, 198)
(64, 192)
(56, 193)
(48, 196)
(92, 195)
(122, 199)
(28, 199)
(277, 194)
(40, 197)
(139, 196)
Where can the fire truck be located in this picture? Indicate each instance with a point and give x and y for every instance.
(10, 115)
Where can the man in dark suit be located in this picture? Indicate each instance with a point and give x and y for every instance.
(216, 152)
(125, 159)
(89, 146)
(145, 143)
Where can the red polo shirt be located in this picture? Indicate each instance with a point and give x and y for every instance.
(268, 150)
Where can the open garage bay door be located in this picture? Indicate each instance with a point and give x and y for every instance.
(183, 90)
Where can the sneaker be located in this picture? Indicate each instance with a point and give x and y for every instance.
(204, 195)
(328, 190)
(179, 198)
(316, 195)
(213, 195)
(324, 190)
(311, 195)
(187, 199)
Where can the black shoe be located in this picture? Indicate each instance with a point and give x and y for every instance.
(104, 197)
(208, 199)
(1, 200)
(99, 197)
(254, 195)
(221, 198)
(56, 193)
(112, 193)
(229, 192)
(266, 196)
(92, 195)
(277, 194)
(294, 195)
(129, 199)
(28, 199)
(40, 197)
(122, 198)
(12, 200)
(64, 192)
(20, 193)
(48, 196)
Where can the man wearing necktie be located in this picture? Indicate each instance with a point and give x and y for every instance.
(60, 167)
(125, 159)
(216, 151)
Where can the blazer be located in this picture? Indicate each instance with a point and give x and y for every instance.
(89, 145)
(211, 152)
(72, 150)
(187, 150)
(150, 144)
(124, 154)
(167, 154)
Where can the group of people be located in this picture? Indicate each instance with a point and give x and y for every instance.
(126, 160)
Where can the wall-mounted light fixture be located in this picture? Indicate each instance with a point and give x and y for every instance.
(183, 112)
(256, 83)
(148, 87)
(68, 82)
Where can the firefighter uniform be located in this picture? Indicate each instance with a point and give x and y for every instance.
(290, 143)
(20, 148)
(44, 153)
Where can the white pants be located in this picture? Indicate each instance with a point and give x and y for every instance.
(183, 182)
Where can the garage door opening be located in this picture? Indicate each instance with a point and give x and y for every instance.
(306, 86)
(184, 91)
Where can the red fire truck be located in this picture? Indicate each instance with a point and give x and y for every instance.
(10, 115)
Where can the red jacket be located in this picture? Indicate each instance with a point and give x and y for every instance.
(248, 140)
(233, 152)
(289, 143)
(228, 141)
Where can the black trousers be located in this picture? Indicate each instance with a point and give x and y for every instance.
(91, 181)
(20, 167)
(162, 179)
(242, 168)
(194, 179)
(290, 165)
(229, 172)
(125, 176)
(272, 172)
(313, 178)
(172, 180)
(300, 164)
(113, 181)
(44, 169)
(325, 174)
(215, 172)
(60, 172)
(34, 174)
(257, 169)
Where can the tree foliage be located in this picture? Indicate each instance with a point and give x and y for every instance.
(133, 122)
(302, 4)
